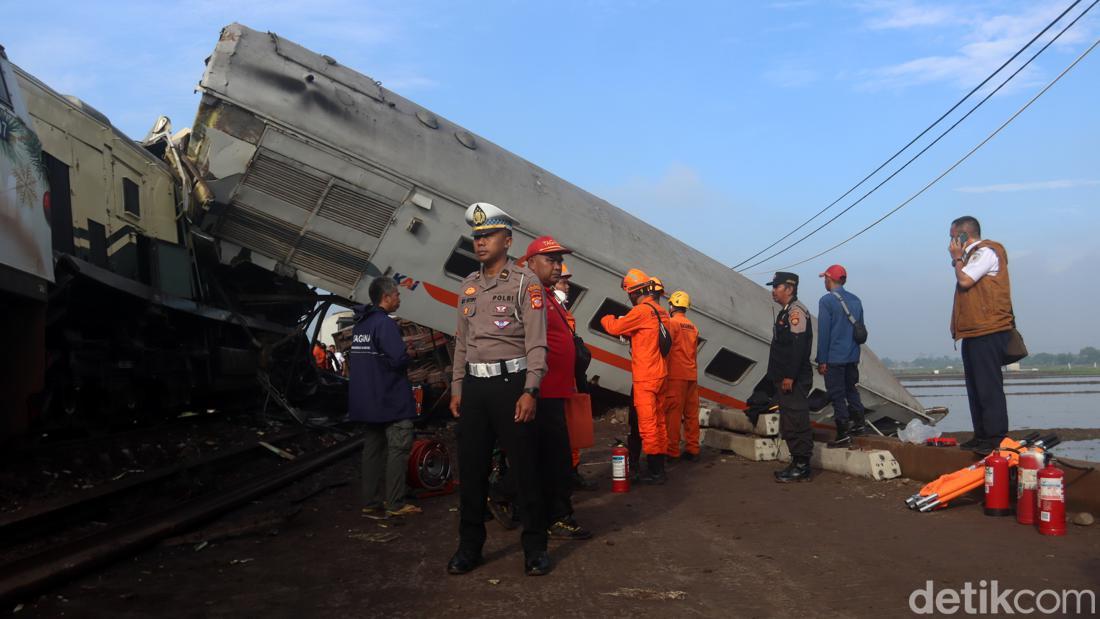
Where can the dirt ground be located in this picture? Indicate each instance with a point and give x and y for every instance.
(720, 539)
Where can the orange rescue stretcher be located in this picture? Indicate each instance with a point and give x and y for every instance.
(939, 493)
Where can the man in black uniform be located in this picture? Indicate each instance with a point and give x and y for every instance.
(499, 362)
(791, 375)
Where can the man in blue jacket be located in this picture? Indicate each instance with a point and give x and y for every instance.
(381, 397)
(838, 354)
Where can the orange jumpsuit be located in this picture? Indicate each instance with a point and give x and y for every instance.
(682, 389)
(319, 356)
(648, 368)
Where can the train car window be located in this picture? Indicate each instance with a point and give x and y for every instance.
(614, 308)
(574, 296)
(130, 197)
(728, 366)
(462, 261)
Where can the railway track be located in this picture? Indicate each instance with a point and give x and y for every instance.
(55, 542)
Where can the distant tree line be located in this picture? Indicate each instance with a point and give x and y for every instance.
(1086, 357)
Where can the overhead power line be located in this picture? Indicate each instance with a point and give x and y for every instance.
(957, 163)
(914, 140)
(932, 143)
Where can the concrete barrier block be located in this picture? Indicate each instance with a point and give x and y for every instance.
(874, 464)
(737, 421)
(750, 447)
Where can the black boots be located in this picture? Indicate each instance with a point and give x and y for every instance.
(463, 561)
(859, 424)
(843, 438)
(655, 470)
(799, 470)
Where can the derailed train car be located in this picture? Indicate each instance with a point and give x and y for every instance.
(130, 319)
(321, 174)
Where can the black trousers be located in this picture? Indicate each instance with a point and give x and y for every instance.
(555, 459)
(486, 416)
(840, 382)
(982, 357)
(794, 419)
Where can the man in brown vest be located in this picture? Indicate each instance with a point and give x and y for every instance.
(982, 318)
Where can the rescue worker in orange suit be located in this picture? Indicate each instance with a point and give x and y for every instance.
(682, 390)
(544, 258)
(643, 325)
(790, 375)
(561, 294)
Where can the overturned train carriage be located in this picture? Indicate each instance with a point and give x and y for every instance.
(320, 173)
(138, 324)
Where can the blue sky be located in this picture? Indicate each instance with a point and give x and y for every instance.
(725, 123)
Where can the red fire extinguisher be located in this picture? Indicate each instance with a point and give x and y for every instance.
(1052, 500)
(1027, 484)
(620, 473)
(996, 485)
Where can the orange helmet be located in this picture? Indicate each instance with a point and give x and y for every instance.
(565, 274)
(635, 280)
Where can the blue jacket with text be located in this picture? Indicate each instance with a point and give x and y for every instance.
(379, 390)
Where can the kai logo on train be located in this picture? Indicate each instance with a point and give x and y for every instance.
(405, 281)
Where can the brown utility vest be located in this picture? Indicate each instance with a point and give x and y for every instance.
(986, 307)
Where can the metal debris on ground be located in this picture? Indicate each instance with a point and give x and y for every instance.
(241, 561)
(201, 545)
(646, 594)
(282, 453)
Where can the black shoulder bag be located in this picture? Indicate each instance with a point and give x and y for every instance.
(859, 330)
(664, 338)
(583, 355)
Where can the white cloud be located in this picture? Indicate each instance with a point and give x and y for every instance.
(986, 42)
(1063, 183)
(905, 15)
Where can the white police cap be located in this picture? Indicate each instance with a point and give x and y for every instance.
(485, 218)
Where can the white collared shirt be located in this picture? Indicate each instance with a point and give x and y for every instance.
(982, 262)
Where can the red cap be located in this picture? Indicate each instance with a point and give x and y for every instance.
(545, 245)
(835, 273)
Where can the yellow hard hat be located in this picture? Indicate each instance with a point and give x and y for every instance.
(635, 279)
(658, 285)
(680, 299)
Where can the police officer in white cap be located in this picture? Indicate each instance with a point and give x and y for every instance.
(500, 359)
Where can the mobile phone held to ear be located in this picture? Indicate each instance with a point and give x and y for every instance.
(962, 238)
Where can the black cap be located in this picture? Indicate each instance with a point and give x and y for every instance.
(783, 277)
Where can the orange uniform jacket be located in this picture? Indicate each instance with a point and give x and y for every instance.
(685, 342)
(640, 325)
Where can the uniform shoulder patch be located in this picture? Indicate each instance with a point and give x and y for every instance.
(798, 319)
(534, 291)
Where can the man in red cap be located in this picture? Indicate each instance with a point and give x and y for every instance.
(839, 321)
(544, 258)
